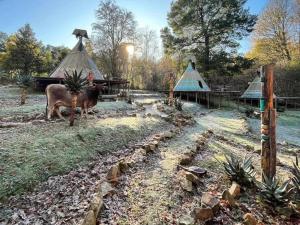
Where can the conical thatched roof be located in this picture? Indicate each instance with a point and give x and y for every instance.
(254, 90)
(191, 81)
(78, 59)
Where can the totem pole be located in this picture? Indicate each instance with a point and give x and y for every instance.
(171, 78)
(268, 122)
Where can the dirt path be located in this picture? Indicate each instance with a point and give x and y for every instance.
(150, 194)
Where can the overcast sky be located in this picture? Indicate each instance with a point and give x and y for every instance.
(54, 20)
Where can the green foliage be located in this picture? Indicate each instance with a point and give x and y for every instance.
(52, 56)
(296, 182)
(205, 28)
(3, 39)
(166, 101)
(274, 194)
(74, 82)
(24, 81)
(22, 52)
(240, 171)
(178, 104)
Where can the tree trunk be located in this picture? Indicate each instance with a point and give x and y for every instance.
(23, 96)
(73, 109)
(206, 53)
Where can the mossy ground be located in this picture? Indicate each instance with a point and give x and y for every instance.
(31, 153)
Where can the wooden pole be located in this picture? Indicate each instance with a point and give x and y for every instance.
(207, 98)
(268, 123)
(171, 91)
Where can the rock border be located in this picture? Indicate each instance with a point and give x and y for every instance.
(141, 150)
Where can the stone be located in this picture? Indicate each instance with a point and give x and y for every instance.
(123, 166)
(202, 214)
(228, 197)
(155, 143)
(147, 148)
(193, 178)
(168, 134)
(199, 147)
(159, 137)
(278, 163)
(176, 130)
(90, 218)
(113, 173)
(152, 147)
(257, 151)
(107, 189)
(185, 159)
(210, 131)
(186, 220)
(97, 203)
(36, 122)
(130, 162)
(136, 146)
(235, 189)
(141, 151)
(249, 148)
(210, 201)
(184, 183)
(249, 219)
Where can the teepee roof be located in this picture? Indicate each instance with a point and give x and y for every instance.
(254, 89)
(78, 59)
(191, 81)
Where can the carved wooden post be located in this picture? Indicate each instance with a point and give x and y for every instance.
(171, 92)
(268, 123)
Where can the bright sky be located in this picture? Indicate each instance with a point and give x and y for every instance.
(54, 20)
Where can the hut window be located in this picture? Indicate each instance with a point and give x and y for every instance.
(200, 84)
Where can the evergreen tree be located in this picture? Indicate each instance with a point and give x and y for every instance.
(208, 29)
(3, 38)
(23, 52)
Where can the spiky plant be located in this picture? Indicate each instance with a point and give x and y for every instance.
(274, 194)
(240, 171)
(166, 101)
(74, 84)
(24, 82)
(178, 104)
(296, 183)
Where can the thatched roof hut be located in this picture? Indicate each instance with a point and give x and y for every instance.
(78, 59)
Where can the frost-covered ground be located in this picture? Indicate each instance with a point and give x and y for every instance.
(47, 151)
(150, 193)
(288, 127)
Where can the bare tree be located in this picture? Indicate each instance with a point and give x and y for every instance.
(276, 25)
(148, 44)
(114, 26)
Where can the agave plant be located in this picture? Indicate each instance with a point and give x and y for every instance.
(166, 101)
(274, 194)
(296, 183)
(178, 104)
(24, 82)
(240, 171)
(74, 84)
